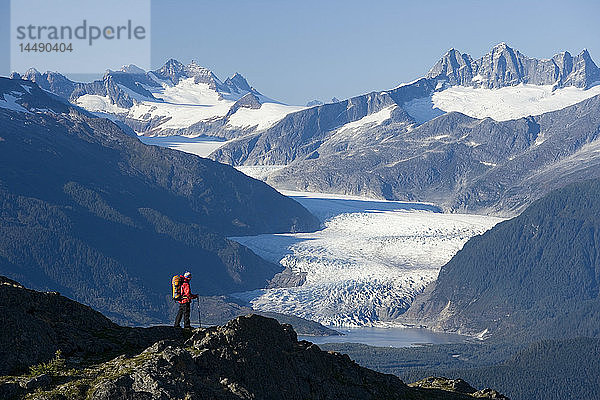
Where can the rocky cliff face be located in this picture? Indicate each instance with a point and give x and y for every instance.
(298, 135)
(250, 357)
(504, 66)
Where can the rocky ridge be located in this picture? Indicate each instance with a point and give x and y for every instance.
(130, 84)
(249, 357)
(35, 325)
(504, 66)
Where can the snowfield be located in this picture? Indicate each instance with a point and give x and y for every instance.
(200, 146)
(187, 103)
(260, 172)
(500, 104)
(367, 264)
(376, 118)
(262, 118)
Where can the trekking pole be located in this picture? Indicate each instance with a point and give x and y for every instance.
(198, 304)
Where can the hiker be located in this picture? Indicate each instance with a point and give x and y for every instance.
(185, 300)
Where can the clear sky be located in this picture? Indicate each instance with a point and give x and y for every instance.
(295, 51)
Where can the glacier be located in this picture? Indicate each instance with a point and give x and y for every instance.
(503, 104)
(367, 263)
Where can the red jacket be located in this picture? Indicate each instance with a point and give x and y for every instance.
(186, 292)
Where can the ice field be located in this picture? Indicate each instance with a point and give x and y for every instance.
(367, 264)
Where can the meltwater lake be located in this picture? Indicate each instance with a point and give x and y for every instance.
(388, 337)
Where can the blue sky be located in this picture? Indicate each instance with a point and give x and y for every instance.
(298, 51)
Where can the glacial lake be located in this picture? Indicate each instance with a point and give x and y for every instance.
(388, 337)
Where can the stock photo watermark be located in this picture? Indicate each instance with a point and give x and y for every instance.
(79, 37)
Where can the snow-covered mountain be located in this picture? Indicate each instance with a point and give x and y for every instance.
(433, 139)
(27, 98)
(174, 99)
(505, 84)
(428, 140)
(504, 66)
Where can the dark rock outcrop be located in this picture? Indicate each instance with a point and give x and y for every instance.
(250, 357)
(249, 100)
(237, 83)
(457, 385)
(217, 310)
(35, 325)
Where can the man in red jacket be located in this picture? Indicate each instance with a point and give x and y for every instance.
(184, 302)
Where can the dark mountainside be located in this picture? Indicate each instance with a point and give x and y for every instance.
(249, 357)
(94, 213)
(534, 276)
(547, 370)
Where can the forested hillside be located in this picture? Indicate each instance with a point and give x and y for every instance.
(534, 276)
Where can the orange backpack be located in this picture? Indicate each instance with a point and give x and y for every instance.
(176, 283)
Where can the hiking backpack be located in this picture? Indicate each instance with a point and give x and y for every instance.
(176, 283)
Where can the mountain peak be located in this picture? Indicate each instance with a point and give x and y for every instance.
(32, 74)
(32, 70)
(172, 62)
(504, 66)
(453, 65)
(585, 55)
(172, 70)
(193, 66)
(503, 49)
(501, 46)
(237, 81)
(315, 102)
(131, 69)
